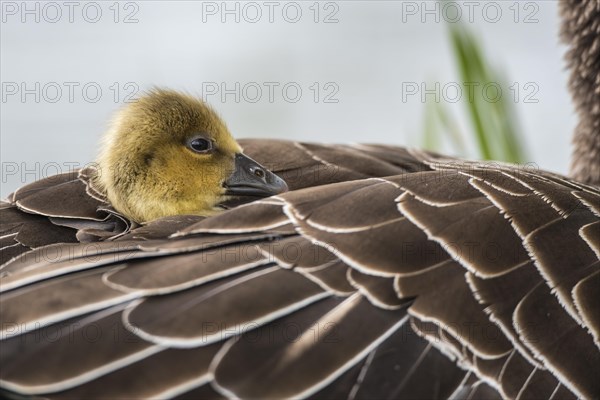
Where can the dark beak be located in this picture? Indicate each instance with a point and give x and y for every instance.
(252, 179)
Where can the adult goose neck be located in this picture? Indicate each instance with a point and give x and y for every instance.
(581, 32)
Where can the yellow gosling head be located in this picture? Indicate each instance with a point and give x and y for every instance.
(169, 153)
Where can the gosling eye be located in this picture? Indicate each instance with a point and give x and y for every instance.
(201, 145)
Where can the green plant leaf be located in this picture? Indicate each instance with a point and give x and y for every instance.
(493, 121)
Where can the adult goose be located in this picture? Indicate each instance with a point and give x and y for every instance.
(167, 271)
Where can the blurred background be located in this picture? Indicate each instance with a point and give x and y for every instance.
(481, 79)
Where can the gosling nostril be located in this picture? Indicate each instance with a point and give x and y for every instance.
(259, 173)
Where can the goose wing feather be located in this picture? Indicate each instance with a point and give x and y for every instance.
(385, 273)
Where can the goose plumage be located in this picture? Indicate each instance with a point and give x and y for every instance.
(383, 272)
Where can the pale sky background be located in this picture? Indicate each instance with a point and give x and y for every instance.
(362, 58)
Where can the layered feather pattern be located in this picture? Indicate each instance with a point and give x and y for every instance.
(384, 273)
